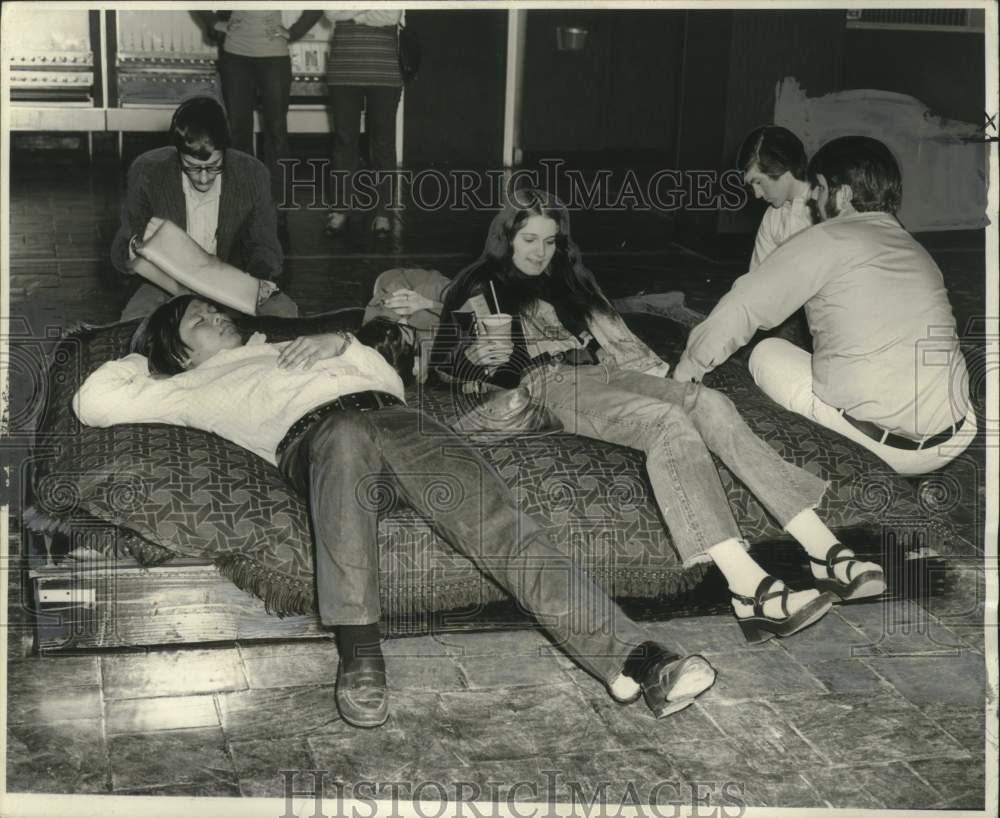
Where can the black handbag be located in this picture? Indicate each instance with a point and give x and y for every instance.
(408, 48)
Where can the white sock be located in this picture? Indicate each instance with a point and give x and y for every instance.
(623, 687)
(812, 533)
(741, 572)
(744, 575)
(817, 540)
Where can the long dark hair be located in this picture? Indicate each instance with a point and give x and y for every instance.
(160, 339)
(568, 285)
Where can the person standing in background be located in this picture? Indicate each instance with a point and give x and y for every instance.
(254, 63)
(363, 67)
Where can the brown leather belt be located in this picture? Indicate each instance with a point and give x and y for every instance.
(880, 435)
(354, 402)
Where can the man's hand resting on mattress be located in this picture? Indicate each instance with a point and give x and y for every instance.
(305, 351)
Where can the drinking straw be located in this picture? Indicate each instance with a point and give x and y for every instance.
(496, 301)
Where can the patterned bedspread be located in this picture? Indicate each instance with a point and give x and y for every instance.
(163, 491)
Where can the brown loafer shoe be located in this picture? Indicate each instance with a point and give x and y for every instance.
(669, 682)
(361, 697)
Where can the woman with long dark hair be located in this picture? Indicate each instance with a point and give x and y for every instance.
(578, 359)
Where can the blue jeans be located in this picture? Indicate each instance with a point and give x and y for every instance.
(243, 80)
(676, 425)
(349, 463)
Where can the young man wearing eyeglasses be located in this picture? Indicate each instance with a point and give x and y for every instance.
(220, 196)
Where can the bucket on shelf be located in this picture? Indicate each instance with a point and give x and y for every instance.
(571, 38)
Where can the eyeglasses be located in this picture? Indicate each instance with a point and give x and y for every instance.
(196, 170)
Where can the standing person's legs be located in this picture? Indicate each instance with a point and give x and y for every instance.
(345, 104)
(239, 90)
(381, 103)
(783, 371)
(274, 79)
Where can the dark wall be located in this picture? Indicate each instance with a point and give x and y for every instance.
(686, 84)
(701, 117)
(944, 70)
(618, 94)
(766, 47)
(704, 83)
(727, 94)
(454, 108)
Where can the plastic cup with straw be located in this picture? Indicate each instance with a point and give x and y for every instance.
(496, 327)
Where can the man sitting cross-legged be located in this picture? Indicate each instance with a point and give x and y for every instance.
(329, 412)
(887, 370)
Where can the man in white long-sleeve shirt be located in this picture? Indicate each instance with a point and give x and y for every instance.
(328, 411)
(773, 161)
(887, 370)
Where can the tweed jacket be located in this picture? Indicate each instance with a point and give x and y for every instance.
(247, 234)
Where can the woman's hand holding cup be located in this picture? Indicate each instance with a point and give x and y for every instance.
(407, 302)
(494, 346)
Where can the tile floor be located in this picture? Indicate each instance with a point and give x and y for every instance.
(880, 705)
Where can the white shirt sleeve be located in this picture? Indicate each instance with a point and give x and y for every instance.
(123, 391)
(766, 239)
(778, 225)
(764, 297)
